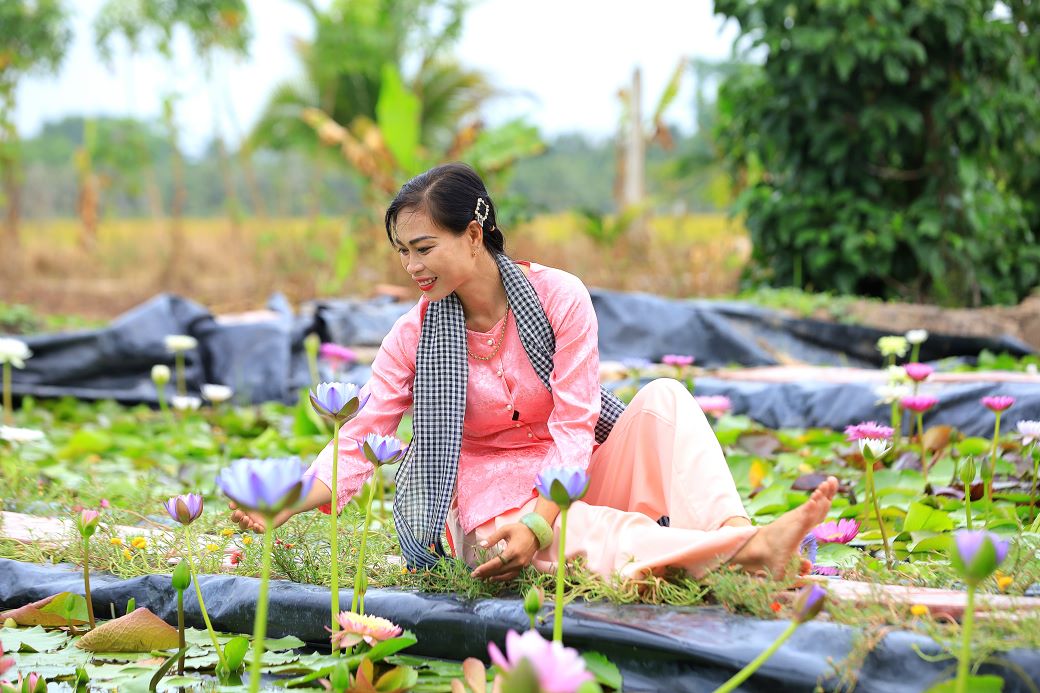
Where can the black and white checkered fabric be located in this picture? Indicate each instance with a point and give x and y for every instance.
(426, 478)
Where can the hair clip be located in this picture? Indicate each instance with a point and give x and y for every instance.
(481, 218)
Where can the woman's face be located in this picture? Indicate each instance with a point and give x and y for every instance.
(437, 260)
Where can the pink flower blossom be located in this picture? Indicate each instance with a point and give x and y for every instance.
(677, 359)
(5, 662)
(716, 405)
(868, 429)
(998, 403)
(841, 532)
(337, 353)
(105, 505)
(919, 403)
(918, 371)
(353, 628)
(559, 669)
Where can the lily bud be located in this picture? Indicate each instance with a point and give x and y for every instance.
(160, 374)
(976, 554)
(533, 601)
(181, 576)
(809, 603)
(967, 473)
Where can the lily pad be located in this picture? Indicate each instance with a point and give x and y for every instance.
(924, 517)
(34, 639)
(49, 611)
(140, 631)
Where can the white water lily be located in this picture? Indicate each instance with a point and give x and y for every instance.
(180, 342)
(160, 374)
(916, 336)
(185, 402)
(893, 345)
(897, 374)
(877, 447)
(892, 392)
(217, 393)
(20, 435)
(14, 351)
(1029, 430)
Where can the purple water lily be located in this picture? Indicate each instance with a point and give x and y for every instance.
(380, 450)
(185, 508)
(977, 553)
(809, 602)
(563, 485)
(337, 401)
(267, 486)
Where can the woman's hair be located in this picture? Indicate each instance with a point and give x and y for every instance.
(449, 195)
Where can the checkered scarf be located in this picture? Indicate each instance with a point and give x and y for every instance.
(426, 478)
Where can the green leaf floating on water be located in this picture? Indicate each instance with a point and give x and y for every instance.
(140, 631)
(34, 639)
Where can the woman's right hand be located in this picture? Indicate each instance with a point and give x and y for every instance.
(248, 520)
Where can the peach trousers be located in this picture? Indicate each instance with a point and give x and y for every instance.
(661, 458)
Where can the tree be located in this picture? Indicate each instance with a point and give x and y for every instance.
(357, 47)
(33, 37)
(888, 148)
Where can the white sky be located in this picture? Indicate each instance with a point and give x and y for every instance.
(570, 57)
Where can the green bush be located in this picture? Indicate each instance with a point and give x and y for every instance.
(888, 148)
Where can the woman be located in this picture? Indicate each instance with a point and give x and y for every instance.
(500, 362)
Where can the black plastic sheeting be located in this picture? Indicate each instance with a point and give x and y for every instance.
(657, 648)
(262, 358)
(836, 405)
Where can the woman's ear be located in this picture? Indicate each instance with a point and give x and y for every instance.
(475, 234)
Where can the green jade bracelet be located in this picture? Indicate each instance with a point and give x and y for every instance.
(542, 531)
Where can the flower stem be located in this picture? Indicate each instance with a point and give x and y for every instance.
(896, 418)
(189, 547)
(260, 626)
(8, 407)
(872, 492)
(180, 631)
(967, 506)
(182, 389)
(752, 666)
(1036, 472)
(334, 533)
(357, 604)
(924, 452)
(915, 353)
(86, 581)
(560, 570)
(966, 628)
(993, 461)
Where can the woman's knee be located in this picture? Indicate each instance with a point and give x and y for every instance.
(663, 395)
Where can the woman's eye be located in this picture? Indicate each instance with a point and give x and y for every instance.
(423, 251)
(402, 251)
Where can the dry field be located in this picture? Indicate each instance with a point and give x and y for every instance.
(231, 270)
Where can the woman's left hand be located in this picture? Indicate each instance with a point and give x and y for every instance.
(521, 546)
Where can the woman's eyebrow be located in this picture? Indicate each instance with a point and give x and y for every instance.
(420, 239)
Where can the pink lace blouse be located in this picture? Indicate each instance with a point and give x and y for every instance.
(514, 427)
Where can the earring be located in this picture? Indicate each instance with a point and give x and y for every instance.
(474, 251)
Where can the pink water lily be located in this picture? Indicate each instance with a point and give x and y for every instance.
(716, 405)
(919, 403)
(841, 532)
(5, 662)
(558, 669)
(87, 522)
(998, 403)
(918, 371)
(353, 628)
(337, 354)
(677, 360)
(868, 429)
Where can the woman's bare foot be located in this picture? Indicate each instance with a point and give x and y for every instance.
(773, 545)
